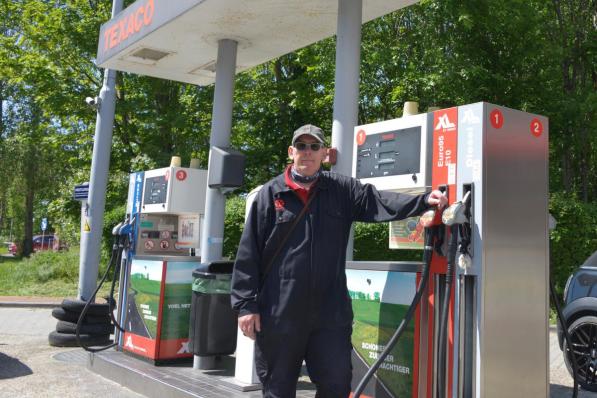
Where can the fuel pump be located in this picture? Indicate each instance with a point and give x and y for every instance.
(480, 329)
(167, 206)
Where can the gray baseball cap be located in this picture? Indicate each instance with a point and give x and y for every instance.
(308, 129)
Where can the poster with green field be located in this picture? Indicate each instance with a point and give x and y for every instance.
(177, 300)
(144, 297)
(380, 300)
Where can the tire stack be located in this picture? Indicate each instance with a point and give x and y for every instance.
(95, 329)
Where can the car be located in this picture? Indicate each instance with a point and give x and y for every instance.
(12, 248)
(40, 242)
(580, 316)
(43, 242)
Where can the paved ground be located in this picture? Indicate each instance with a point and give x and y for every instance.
(29, 368)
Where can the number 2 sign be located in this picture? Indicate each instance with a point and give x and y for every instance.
(536, 127)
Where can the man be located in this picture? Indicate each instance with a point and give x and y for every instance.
(294, 302)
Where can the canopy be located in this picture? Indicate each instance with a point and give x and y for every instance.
(178, 40)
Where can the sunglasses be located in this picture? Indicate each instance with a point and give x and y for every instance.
(315, 146)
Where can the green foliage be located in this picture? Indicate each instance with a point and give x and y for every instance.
(532, 55)
(575, 237)
(47, 273)
(234, 224)
(112, 217)
(371, 243)
(32, 275)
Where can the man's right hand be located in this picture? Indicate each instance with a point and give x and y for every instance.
(249, 325)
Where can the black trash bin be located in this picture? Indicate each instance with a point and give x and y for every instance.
(213, 323)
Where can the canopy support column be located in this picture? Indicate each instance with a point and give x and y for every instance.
(212, 236)
(93, 223)
(346, 88)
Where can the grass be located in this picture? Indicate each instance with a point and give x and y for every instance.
(375, 323)
(46, 274)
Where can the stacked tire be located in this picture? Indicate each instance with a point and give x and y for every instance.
(96, 327)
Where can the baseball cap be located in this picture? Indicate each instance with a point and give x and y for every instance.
(308, 129)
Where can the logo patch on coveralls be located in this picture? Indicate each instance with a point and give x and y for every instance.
(279, 204)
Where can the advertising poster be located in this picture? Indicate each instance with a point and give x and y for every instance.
(141, 319)
(380, 300)
(144, 298)
(406, 234)
(177, 309)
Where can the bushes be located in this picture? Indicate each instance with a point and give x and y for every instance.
(44, 274)
(234, 224)
(371, 243)
(574, 238)
(371, 240)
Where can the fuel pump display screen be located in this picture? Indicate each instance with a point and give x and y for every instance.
(390, 153)
(156, 190)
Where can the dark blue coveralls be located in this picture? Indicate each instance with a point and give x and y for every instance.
(303, 300)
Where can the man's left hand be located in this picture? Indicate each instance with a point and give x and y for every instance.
(437, 198)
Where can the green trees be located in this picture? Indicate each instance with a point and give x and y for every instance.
(532, 55)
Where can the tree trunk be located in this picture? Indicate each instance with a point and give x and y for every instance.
(28, 240)
(566, 171)
(30, 181)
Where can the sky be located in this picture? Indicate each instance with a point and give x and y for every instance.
(394, 287)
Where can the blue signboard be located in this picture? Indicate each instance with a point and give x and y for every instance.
(81, 191)
(44, 224)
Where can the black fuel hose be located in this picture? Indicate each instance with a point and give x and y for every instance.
(556, 303)
(443, 324)
(115, 258)
(427, 254)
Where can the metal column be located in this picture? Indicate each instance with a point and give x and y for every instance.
(346, 88)
(212, 236)
(91, 233)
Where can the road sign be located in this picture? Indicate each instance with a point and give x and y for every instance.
(44, 224)
(81, 191)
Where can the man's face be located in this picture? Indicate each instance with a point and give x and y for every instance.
(306, 161)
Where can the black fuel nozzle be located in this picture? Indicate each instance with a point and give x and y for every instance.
(432, 221)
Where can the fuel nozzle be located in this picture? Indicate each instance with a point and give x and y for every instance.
(127, 227)
(432, 217)
(116, 229)
(456, 213)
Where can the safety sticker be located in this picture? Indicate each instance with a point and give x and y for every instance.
(86, 227)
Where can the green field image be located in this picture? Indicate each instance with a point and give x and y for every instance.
(147, 294)
(177, 311)
(376, 322)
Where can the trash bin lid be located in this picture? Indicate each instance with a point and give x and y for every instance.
(215, 267)
(198, 274)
